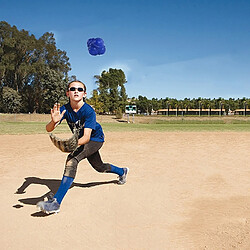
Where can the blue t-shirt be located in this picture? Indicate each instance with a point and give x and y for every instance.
(85, 117)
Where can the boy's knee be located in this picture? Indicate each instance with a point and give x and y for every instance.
(71, 168)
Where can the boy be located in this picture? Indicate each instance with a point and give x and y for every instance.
(81, 116)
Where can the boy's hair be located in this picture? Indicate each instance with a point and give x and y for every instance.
(84, 86)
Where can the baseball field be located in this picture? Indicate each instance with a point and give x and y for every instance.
(187, 187)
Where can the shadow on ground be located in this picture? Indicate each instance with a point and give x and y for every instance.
(52, 185)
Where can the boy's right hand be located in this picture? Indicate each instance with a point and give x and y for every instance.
(56, 115)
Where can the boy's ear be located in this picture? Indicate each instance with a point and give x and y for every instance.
(67, 93)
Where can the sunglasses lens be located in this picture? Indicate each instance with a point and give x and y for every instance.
(74, 88)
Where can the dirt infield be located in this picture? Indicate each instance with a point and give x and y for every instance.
(185, 190)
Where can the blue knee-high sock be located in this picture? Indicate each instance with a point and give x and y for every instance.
(116, 170)
(64, 187)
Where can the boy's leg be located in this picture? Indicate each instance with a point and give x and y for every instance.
(69, 175)
(53, 205)
(63, 189)
(89, 151)
(72, 161)
(97, 163)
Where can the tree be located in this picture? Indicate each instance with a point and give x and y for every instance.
(95, 102)
(15, 56)
(24, 62)
(155, 104)
(142, 104)
(49, 55)
(112, 92)
(52, 89)
(123, 98)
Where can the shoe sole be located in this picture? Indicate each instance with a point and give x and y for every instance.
(48, 212)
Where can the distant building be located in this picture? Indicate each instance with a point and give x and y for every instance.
(183, 112)
(242, 112)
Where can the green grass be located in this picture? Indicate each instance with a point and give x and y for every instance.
(200, 121)
(161, 126)
(164, 127)
(28, 128)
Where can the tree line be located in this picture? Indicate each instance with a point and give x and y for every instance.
(33, 72)
(34, 75)
(147, 106)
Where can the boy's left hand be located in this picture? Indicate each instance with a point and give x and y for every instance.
(56, 115)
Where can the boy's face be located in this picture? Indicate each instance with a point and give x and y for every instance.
(76, 91)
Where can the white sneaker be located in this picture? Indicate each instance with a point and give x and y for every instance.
(49, 207)
(123, 178)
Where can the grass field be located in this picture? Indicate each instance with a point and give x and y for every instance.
(158, 125)
(35, 123)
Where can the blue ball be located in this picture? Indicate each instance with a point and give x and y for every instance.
(93, 51)
(90, 41)
(96, 46)
(102, 50)
(99, 42)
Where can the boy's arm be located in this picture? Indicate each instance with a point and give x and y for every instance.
(86, 136)
(51, 126)
(56, 116)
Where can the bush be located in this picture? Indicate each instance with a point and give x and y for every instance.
(11, 100)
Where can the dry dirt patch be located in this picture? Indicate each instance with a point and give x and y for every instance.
(185, 190)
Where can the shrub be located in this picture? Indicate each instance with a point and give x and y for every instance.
(11, 100)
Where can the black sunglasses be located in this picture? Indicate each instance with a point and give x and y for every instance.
(74, 88)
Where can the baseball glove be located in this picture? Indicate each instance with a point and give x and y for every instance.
(65, 145)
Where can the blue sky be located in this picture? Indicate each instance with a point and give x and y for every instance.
(167, 48)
